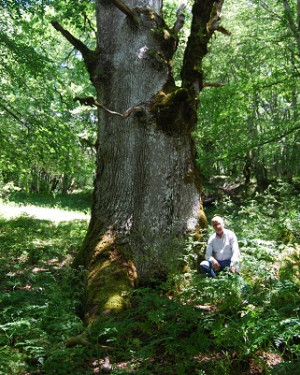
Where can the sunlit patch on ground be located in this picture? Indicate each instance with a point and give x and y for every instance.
(9, 211)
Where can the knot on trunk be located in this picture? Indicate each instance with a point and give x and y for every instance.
(174, 111)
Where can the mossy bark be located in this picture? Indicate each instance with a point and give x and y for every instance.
(112, 276)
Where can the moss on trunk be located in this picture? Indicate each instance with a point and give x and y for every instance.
(174, 110)
(111, 279)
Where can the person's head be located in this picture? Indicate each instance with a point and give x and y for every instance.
(218, 224)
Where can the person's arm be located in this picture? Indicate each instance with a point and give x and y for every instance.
(209, 256)
(235, 259)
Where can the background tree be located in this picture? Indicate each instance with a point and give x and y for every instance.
(46, 140)
(252, 123)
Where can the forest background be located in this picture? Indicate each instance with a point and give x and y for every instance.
(248, 152)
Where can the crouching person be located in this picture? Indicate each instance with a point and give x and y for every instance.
(222, 250)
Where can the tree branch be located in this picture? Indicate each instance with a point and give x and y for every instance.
(206, 20)
(11, 113)
(212, 84)
(275, 138)
(90, 101)
(224, 31)
(268, 8)
(277, 82)
(215, 16)
(89, 56)
(86, 18)
(215, 19)
(16, 114)
(178, 25)
(87, 142)
(123, 8)
(78, 44)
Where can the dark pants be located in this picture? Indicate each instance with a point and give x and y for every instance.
(207, 268)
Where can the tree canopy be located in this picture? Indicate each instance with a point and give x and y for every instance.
(251, 120)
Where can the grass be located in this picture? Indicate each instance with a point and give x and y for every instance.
(187, 325)
(39, 290)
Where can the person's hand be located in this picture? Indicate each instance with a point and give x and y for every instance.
(215, 264)
(232, 269)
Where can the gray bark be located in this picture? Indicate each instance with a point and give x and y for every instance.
(144, 186)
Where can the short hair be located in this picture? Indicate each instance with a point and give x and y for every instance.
(218, 218)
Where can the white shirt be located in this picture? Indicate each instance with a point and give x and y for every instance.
(223, 248)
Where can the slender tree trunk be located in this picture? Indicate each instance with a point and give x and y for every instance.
(254, 158)
(34, 186)
(294, 24)
(293, 156)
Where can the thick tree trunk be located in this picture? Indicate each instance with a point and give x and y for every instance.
(147, 188)
(147, 193)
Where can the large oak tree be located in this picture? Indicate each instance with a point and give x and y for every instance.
(147, 194)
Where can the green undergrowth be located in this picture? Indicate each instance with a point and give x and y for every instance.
(39, 292)
(188, 324)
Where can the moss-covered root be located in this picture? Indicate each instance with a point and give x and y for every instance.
(199, 249)
(111, 279)
(203, 223)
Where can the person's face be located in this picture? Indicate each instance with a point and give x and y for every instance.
(218, 226)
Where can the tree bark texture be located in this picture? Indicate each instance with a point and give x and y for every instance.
(147, 194)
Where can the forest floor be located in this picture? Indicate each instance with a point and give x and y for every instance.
(188, 324)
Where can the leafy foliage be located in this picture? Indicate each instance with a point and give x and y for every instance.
(53, 139)
(251, 124)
